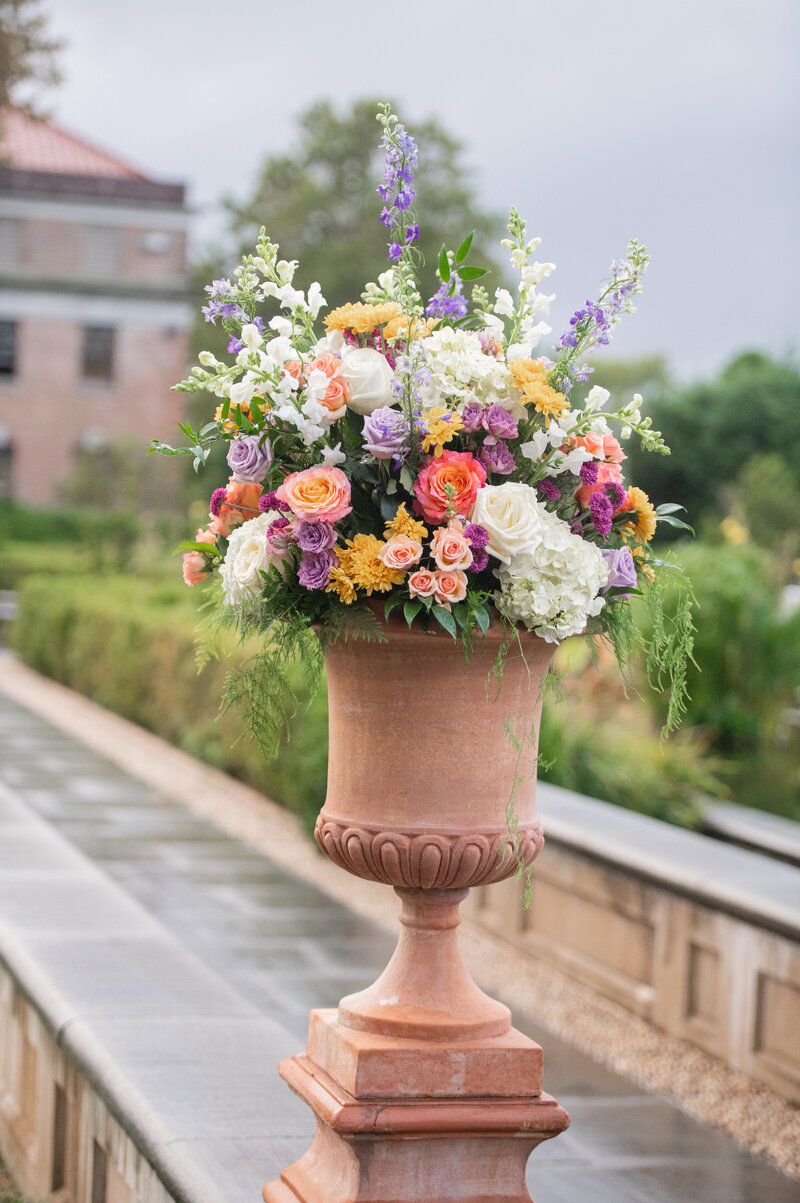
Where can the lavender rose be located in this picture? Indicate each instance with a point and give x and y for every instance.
(496, 457)
(248, 460)
(500, 423)
(315, 568)
(386, 433)
(314, 536)
(621, 570)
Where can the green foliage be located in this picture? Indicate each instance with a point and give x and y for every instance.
(18, 560)
(28, 55)
(765, 498)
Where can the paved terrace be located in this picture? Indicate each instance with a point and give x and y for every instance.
(268, 947)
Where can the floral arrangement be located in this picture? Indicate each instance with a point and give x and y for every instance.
(423, 456)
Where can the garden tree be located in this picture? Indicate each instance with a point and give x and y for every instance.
(28, 55)
(715, 427)
(319, 202)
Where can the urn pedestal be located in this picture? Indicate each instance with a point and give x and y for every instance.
(421, 1088)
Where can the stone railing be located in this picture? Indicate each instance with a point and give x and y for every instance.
(699, 938)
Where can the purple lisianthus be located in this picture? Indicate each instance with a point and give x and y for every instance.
(548, 489)
(621, 570)
(314, 536)
(589, 472)
(497, 457)
(471, 416)
(270, 501)
(386, 433)
(478, 536)
(249, 458)
(217, 501)
(480, 558)
(315, 567)
(601, 512)
(500, 423)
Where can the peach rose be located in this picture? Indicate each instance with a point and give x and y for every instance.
(335, 398)
(326, 363)
(450, 482)
(422, 583)
(195, 569)
(451, 586)
(612, 450)
(450, 548)
(606, 474)
(321, 492)
(400, 552)
(600, 446)
(205, 536)
(241, 503)
(293, 367)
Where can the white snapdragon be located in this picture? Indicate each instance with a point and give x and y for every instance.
(550, 442)
(315, 299)
(596, 399)
(242, 392)
(285, 269)
(504, 302)
(280, 349)
(208, 360)
(281, 325)
(251, 336)
(331, 456)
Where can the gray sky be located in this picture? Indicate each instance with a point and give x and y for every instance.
(673, 121)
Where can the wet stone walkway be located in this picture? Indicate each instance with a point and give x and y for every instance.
(285, 947)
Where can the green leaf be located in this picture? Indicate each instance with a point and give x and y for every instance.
(445, 619)
(472, 273)
(670, 521)
(207, 548)
(411, 609)
(461, 615)
(444, 264)
(482, 617)
(463, 250)
(392, 603)
(407, 479)
(670, 507)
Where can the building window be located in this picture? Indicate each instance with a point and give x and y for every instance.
(8, 348)
(98, 352)
(10, 241)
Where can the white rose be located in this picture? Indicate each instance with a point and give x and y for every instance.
(511, 515)
(369, 379)
(249, 554)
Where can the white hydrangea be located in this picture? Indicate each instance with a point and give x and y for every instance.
(249, 554)
(552, 587)
(456, 371)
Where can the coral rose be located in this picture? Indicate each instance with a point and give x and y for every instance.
(606, 474)
(321, 492)
(195, 569)
(448, 484)
(400, 552)
(451, 586)
(450, 547)
(240, 504)
(422, 583)
(600, 446)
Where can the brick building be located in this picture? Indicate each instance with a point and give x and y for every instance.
(94, 315)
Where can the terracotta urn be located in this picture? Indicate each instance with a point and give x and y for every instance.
(421, 1087)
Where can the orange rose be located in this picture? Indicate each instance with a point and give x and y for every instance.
(422, 583)
(241, 503)
(450, 548)
(322, 492)
(449, 483)
(450, 586)
(606, 474)
(400, 552)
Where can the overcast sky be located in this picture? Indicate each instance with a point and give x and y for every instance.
(673, 121)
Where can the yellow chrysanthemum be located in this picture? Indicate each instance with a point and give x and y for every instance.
(359, 560)
(339, 582)
(441, 426)
(527, 371)
(404, 524)
(360, 318)
(643, 526)
(399, 325)
(642, 559)
(545, 399)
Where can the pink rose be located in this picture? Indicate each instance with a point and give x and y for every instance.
(322, 492)
(422, 583)
(451, 586)
(450, 547)
(194, 567)
(400, 552)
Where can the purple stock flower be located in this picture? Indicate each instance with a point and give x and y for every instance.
(480, 558)
(497, 457)
(500, 423)
(315, 567)
(478, 536)
(548, 489)
(249, 459)
(314, 536)
(601, 513)
(269, 501)
(472, 416)
(621, 570)
(217, 501)
(386, 433)
(589, 472)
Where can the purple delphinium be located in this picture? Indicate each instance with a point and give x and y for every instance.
(471, 416)
(478, 536)
(221, 302)
(217, 501)
(270, 501)
(314, 536)
(249, 459)
(589, 472)
(480, 559)
(315, 567)
(443, 305)
(236, 345)
(500, 423)
(397, 191)
(386, 434)
(497, 457)
(601, 513)
(548, 489)
(616, 494)
(621, 570)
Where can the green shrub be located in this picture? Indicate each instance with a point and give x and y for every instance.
(18, 560)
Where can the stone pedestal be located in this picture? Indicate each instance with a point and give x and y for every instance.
(421, 1088)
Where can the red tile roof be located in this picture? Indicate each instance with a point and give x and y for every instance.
(30, 145)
